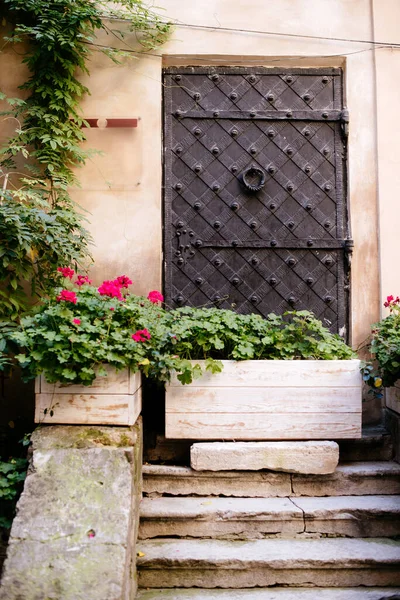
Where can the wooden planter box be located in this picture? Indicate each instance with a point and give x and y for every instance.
(112, 400)
(268, 400)
(392, 397)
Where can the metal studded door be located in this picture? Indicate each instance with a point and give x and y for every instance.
(255, 205)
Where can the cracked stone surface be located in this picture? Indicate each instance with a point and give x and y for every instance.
(222, 508)
(246, 518)
(273, 594)
(73, 533)
(358, 478)
(223, 518)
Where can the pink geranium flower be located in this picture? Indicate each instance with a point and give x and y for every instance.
(142, 335)
(111, 289)
(82, 280)
(76, 321)
(123, 281)
(66, 272)
(155, 297)
(67, 296)
(390, 301)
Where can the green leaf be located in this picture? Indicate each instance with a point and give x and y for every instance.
(68, 374)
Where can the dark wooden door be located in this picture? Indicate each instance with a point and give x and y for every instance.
(255, 204)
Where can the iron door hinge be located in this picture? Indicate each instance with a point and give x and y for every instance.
(344, 122)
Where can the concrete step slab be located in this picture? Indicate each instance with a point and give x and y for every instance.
(222, 518)
(184, 481)
(263, 563)
(375, 444)
(251, 518)
(273, 594)
(313, 457)
(358, 478)
(351, 479)
(351, 516)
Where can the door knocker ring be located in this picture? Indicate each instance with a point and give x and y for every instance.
(253, 172)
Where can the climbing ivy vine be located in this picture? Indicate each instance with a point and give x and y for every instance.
(40, 226)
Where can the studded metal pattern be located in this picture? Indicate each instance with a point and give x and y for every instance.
(284, 246)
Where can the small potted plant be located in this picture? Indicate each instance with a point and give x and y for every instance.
(385, 348)
(86, 347)
(284, 377)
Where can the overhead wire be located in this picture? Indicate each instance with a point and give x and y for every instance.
(219, 27)
(218, 60)
(291, 35)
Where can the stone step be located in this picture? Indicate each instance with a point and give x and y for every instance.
(251, 518)
(273, 594)
(315, 457)
(336, 562)
(375, 444)
(352, 479)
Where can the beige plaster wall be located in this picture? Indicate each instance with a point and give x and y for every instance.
(122, 190)
(387, 29)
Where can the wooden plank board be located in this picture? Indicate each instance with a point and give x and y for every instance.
(302, 426)
(190, 399)
(392, 397)
(89, 409)
(116, 382)
(134, 382)
(281, 373)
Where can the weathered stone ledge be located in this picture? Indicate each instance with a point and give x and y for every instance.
(74, 533)
(316, 458)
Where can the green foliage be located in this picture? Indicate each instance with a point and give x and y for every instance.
(12, 475)
(35, 239)
(201, 333)
(385, 346)
(61, 34)
(79, 329)
(6, 328)
(40, 226)
(71, 342)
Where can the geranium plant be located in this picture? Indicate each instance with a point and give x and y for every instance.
(385, 347)
(81, 328)
(200, 333)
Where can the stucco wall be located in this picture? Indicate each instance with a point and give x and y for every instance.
(122, 190)
(386, 25)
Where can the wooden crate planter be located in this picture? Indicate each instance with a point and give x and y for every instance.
(268, 400)
(392, 397)
(112, 400)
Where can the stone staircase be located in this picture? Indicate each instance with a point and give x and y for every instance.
(274, 536)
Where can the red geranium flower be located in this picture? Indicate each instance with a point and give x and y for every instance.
(390, 300)
(123, 281)
(111, 289)
(82, 280)
(142, 335)
(76, 321)
(66, 271)
(67, 296)
(155, 297)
